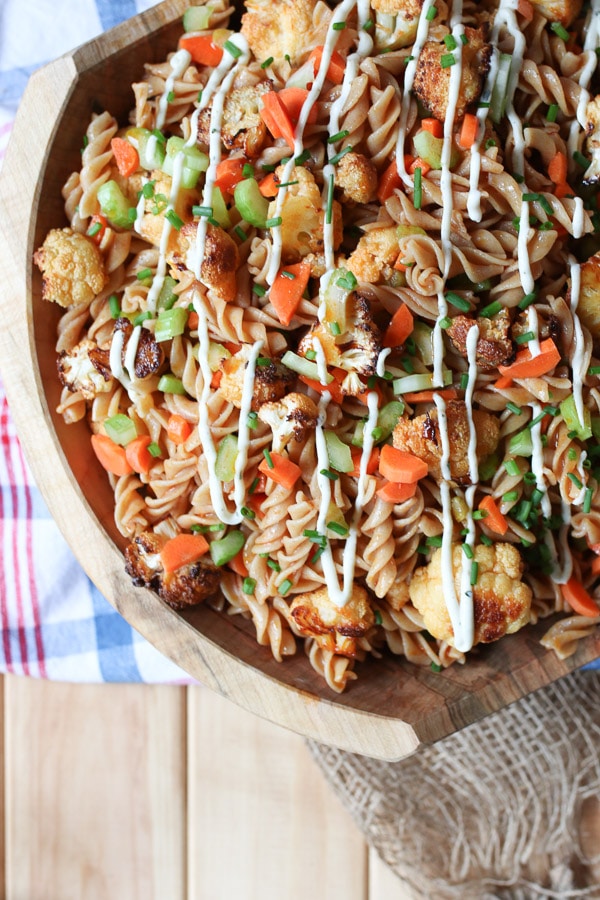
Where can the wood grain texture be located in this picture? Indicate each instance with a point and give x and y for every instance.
(393, 707)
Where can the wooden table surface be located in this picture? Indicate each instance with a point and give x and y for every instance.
(138, 792)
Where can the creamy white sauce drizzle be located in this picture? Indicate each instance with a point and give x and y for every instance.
(592, 34)
(577, 356)
(472, 338)
(179, 63)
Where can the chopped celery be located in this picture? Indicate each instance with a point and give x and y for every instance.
(194, 161)
(170, 384)
(520, 443)
(197, 18)
(340, 457)
(568, 411)
(500, 89)
(359, 431)
(421, 382)
(216, 352)
(302, 76)
(170, 323)
(335, 521)
(219, 208)
(250, 203)
(114, 205)
(335, 295)
(167, 297)
(386, 422)
(150, 147)
(303, 366)
(406, 230)
(223, 550)
(422, 335)
(429, 149)
(226, 457)
(120, 429)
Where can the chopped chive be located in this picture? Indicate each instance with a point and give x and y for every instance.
(587, 500)
(450, 42)
(272, 564)
(523, 511)
(531, 198)
(536, 420)
(317, 555)
(514, 408)
(253, 486)
(314, 535)
(214, 222)
(94, 229)
(247, 171)
(311, 354)
(474, 572)
(266, 63)
(329, 210)
(512, 467)
(284, 587)
(447, 60)
(445, 323)
(154, 450)
(233, 49)
(435, 667)
(537, 496)
(464, 381)
(347, 281)
(545, 226)
(143, 274)
(551, 410)
(335, 159)
(479, 514)
(576, 481)
(304, 157)
(368, 24)
(274, 223)
(431, 13)
(525, 338)
(148, 190)
(170, 96)
(527, 300)
(114, 304)
(142, 317)
(510, 496)
(434, 540)
(580, 159)
(457, 301)
(484, 104)
(268, 167)
(492, 309)
(198, 529)
(560, 31)
(418, 189)
(338, 137)
(252, 421)
(285, 184)
(172, 217)
(268, 458)
(263, 361)
(202, 211)
(338, 528)
(464, 39)
(333, 476)
(594, 370)
(286, 274)
(338, 26)
(248, 585)
(485, 539)
(335, 328)
(247, 513)
(546, 206)
(199, 98)
(468, 551)
(490, 143)
(240, 232)
(259, 290)
(378, 617)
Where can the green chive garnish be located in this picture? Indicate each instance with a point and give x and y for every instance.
(266, 63)
(172, 217)
(594, 370)
(333, 476)
(581, 160)
(284, 587)
(527, 300)
(560, 31)
(335, 328)
(272, 564)
(587, 500)
(248, 585)
(338, 528)
(304, 157)
(274, 223)
(510, 496)
(552, 112)
(233, 49)
(94, 229)
(154, 450)
(479, 514)
(492, 309)
(457, 301)
(434, 540)
(329, 210)
(247, 513)
(335, 159)
(289, 275)
(446, 322)
(337, 137)
(338, 26)
(464, 40)
(468, 551)
(268, 458)
(474, 572)
(450, 42)
(143, 274)
(240, 232)
(525, 338)
(512, 467)
(447, 60)
(431, 13)
(114, 304)
(514, 408)
(170, 96)
(311, 354)
(418, 190)
(202, 211)
(263, 361)
(464, 381)
(259, 290)
(486, 540)
(576, 481)
(253, 486)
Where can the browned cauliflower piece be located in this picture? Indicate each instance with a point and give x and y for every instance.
(374, 257)
(592, 130)
(303, 216)
(421, 436)
(280, 28)
(563, 11)
(397, 595)
(150, 224)
(72, 268)
(501, 601)
(220, 262)
(271, 381)
(396, 22)
(149, 356)
(494, 344)
(188, 586)
(357, 176)
(85, 368)
(291, 417)
(333, 629)
(356, 348)
(432, 82)
(241, 126)
(588, 307)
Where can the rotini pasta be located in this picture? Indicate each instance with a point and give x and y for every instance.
(334, 322)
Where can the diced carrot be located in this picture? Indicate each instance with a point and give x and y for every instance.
(526, 9)
(494, 519)
(393, 492)
(399, 328)
(233, 348)
(178, 428)
(255, 502)
(595, 566)
(294, 99)
(137, 455)
(335, 69)
(281, 110)
(426, 396)
(389, 182)
(229, 173)
(595, 548)
(563, 190)
(283, 471)
(433, 126)
(126, 156)
(417, 163)
(372, 464)
(287, 289)
(468, 131)
(503, 382)
(238, 565)
(94, 232)
(399, 265)
(202, 49)
(400, 466)
(193, 320)
(110, 455)
(579, 600)
(268, 186)
(557, 168)
(333, 388)
(528, 366)
(363, 397)
(215, 381)
(182, 550)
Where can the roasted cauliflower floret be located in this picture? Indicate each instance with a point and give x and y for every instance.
(357, 176)
(563, 11)
(149, 355)
(396, 22)
(271, 380)
(303, 216)
(241, 125)
(494, 344)
(85, 368)
(220, 261)
(501, 601)
(72, 268)
(592, 129)
(334, 629)
(432, 81)
(291, 417)
(355, 349)
(280, 28)
(150, 224)
(375, 255)
(421, 436)
(188, 586)
(588, 307)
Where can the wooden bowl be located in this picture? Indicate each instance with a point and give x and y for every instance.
(393, 706)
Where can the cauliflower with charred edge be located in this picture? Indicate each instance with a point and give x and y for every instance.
(563, 11)
(271, 380)
(333, 629)
(501, 601)
(303, 216)
(220, 261)
(421, 436)
(356, 349)
(374, 257)
(494, 344)
(592, 129)
(188, 586)
(291, 417)
(149, 355)
(72, 268)
(281, 28)
(150, 225)
(242, 125)
(357, 176)
(396, 22)
(85, 368)
(588, 307)
(432, 80)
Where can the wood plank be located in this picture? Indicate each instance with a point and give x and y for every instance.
(384, 884)
(261, 816)
(95, 791)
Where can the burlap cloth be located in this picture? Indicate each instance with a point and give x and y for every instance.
(507, 808)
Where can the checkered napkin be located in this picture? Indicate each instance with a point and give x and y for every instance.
(53, 621)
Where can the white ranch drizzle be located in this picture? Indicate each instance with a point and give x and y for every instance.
(592, 33)
(179, 63)
(577, 357)
(472, 338)
(124, 370)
